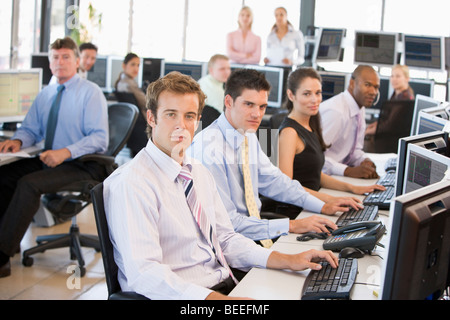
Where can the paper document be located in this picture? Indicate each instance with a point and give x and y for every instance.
(21, 154)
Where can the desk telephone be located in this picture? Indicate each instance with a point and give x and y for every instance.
(363, 235)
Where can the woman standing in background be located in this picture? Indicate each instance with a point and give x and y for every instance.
(243, 46)
(283, 41)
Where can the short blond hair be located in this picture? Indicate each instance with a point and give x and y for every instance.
(403, 68)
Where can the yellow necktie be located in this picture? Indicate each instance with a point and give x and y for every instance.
(249, 196)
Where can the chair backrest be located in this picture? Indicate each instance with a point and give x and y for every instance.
(209, 114)
(122, 118)
(111, 269)
(277, 118)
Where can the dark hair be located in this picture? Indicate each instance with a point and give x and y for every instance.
(130, 56)
(174, 82)
(241, 79)
(66, 43)
(88, 46)
(295, 79)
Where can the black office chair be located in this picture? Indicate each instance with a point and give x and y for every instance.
(209, 114)
(75, 197)
(277, 118)
(111, 269)
(138, 138)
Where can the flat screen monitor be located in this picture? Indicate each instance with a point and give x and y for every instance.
(435, 141)
(423, 167)
(424, 52)
(424, 87)
(329, 45)
(394, 122)
(99, 73)
(41, 61)
(333, 83)
(376, 48)
(276, 76)
(421, 102)
(152, 69)
(194, 69)
(428, 122)
(418, 253)
(18, 90)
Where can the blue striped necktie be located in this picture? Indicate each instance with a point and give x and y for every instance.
(53, 119)
(201, 218)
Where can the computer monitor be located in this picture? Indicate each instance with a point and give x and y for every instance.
(421, 102)
(329, 45)
(40, 60)
(152, 69)
(394, 122)
(18, 90)
(423, 87)
(435, 141)
(99, 73)
(333, 83)
(423, 52)
(423, 167)
(194, 69)
(276, 76)
(376, 48)
(428, 122)
(418, 253)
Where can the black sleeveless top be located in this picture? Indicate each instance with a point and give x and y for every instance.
(308, 164)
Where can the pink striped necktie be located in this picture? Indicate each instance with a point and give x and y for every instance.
(201, 218)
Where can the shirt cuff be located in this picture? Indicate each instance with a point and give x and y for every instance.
(313, 204)
(338, 169)
(278, 227)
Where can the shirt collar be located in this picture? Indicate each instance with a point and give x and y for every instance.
(71, 82)
(353, 105)
(168, 166)
(232, 136)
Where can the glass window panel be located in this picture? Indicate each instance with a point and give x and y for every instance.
(27, 32)
(5, 26)
(209, 21)
(158, 29)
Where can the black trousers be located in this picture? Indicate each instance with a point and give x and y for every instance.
(21, 185)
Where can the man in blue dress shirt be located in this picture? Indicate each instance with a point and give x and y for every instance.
(218, 147)
(82, 128)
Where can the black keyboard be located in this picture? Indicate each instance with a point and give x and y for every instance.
(380, 198)
(331, 283)
(388, 180)
(369, 213)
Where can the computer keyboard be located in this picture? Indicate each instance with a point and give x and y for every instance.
(380, 198)
(331, 283)
(391, 164)
(388, 179)
(369, 213)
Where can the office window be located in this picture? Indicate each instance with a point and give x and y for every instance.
(58, 22)
(414, 17)
(352, 15)
(29, 20)
(158, 29)
(5, 26)
(207, 26)
(112, 38)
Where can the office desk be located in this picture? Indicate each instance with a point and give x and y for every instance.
(269, 284)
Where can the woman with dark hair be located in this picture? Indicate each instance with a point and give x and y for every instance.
(301, 145)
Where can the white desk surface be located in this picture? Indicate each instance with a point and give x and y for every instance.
(33, 150)
(266, 284)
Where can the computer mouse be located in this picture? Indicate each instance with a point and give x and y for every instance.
(350, 252)
(312, 235)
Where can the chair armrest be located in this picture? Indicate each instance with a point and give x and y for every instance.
(107, 161)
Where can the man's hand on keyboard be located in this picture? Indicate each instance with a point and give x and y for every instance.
(314, 223)
(301, 261)
(10, 146)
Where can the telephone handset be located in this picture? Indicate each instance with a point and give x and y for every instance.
(363, 235)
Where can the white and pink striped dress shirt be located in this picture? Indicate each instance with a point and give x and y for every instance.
(160, 251)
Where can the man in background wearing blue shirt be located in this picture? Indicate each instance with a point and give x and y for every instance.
(219, 147)
(82, 128)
